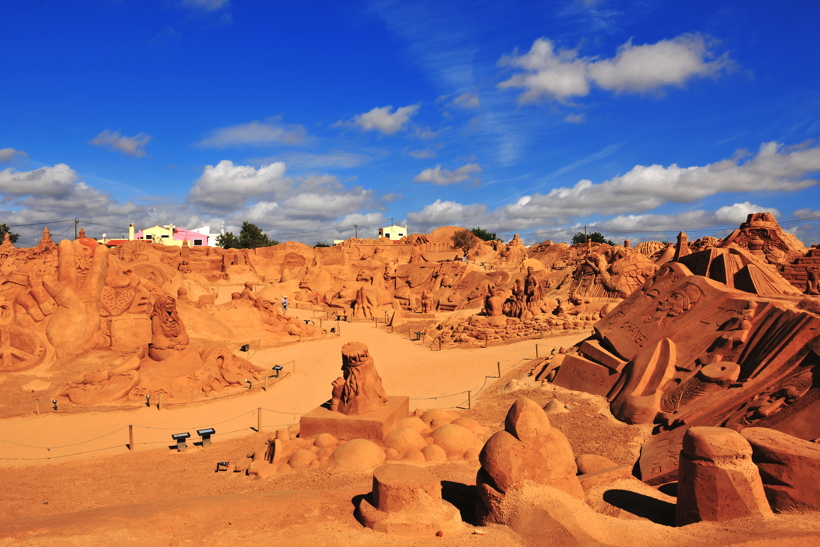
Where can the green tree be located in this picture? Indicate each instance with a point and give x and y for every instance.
(251, 237)
(227, 241)
(320, 244)
(6, 230)
(465, 240)
(595, 237)
(483, 234)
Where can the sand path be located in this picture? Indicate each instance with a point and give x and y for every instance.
(406, 368)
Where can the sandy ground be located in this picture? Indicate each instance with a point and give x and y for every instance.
(108, 495)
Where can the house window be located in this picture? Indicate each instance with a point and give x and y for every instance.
(164, 236)
(148, 236)
(197, 242)
(401, 234)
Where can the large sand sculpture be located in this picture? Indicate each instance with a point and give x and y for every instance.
(709, 348)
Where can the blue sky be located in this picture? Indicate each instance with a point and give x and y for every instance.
(306, 118)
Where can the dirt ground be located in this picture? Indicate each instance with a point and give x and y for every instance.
(101, 493)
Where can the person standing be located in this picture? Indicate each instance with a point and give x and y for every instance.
(285, 303)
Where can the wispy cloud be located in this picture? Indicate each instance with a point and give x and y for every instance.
(466, 100)
(208, 5)
(256, 133)
(130, 146)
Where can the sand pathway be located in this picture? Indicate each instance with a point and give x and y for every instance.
(406, 368)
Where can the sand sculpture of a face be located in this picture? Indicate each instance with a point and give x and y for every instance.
(361, 390)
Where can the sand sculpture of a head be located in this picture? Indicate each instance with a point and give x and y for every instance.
(361, 390)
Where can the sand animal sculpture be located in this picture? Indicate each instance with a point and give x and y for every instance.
(717, 339)
(360, 390)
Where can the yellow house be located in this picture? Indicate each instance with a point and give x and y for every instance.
(160, 234)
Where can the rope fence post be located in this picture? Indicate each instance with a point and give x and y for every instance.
(130, 437)
(259, 419)
(37, 406)
(159, 401)
(536, 351)
(498, 363)
(469, 399)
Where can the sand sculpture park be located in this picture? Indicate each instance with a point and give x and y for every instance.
(662, 394)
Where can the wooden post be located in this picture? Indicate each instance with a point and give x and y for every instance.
(469, 399)
(338, 328)
(499, 368)
(130, 437)
(259, 419)
(37, 406)
(536, 351)
(159, 401)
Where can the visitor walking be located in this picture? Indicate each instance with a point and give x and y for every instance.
(285, 303)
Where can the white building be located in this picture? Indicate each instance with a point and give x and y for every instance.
(206, 231)
(393, 233)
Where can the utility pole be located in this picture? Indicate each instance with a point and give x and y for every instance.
(76, 224)
(586, 237)
(357, 230)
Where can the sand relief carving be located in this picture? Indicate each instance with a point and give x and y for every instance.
(360, 390)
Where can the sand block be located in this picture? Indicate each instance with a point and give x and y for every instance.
(372, 426)
(406, 501)
(581, 374)
(718, 480)
(789, 467)
(596, 352)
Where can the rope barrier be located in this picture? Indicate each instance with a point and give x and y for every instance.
(65, 445)
(250, 412)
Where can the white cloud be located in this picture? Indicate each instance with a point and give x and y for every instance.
(227, 186)
(442, 177)
(7, 155)
(467, 100)
(130, 146)
(382, 119)
(561, 74)
(270, 131)
(446, 213)
(575, 118)
(774, 169)
(695, 221)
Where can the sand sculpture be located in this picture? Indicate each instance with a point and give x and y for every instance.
(528, 449)
(406, 501)
(718, 480)
(360, 390)
(715, 338)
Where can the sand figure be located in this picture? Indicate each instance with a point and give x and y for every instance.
(75, 324)
(361, 390)
(363, 305)
(247, 292)
(494, 304)
(167, 329)
(426, 302)
(813, 281)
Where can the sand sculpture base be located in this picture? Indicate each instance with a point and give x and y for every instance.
(372, 426)
(406, 501)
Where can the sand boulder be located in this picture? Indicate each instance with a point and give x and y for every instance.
(359, 455)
